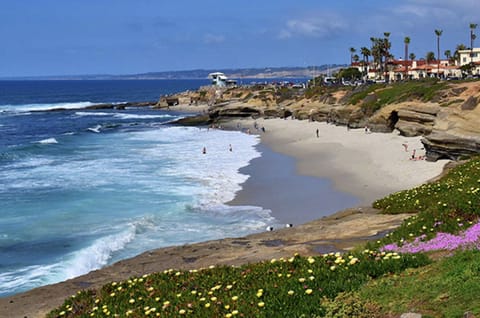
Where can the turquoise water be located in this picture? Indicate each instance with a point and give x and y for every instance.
(80, 189)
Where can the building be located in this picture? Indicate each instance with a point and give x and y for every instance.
(470, 56)
(218, 79)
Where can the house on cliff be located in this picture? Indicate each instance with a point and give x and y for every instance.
(398, 70)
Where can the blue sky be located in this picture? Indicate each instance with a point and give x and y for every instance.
(71, 37)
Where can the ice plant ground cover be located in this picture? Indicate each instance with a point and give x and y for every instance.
(445, 216)
(279, 288)
(447, 213)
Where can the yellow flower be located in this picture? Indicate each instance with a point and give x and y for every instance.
(291, 292)
(228, 315)
(301, 280)
(273, 260)
(227, 307)
(311, 260)
(308, 291)
(207, 305)
(234, 298)
(261, 304)
(235, 312)
(182, 311)
(131, 301)
(112, 294)
(332, 268)
(213, 298)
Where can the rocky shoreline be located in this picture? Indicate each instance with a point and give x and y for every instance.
(341, 231)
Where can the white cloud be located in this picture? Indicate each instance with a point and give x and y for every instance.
(317, 26)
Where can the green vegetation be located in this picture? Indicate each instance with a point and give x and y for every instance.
(349, 74)
(387, 277)
(279, 288)
(447, 288)
(424, 90)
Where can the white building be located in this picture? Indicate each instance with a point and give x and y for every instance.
(470, 56)
(218, 79)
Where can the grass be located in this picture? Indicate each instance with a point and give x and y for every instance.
(424, 90)
(373, 279)
(447, 288)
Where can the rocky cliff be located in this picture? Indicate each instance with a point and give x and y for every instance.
(449, 121)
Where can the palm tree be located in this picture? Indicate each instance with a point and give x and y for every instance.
(430, 57)
(448, 55)
(473, 26)
(352, 51)
(365, 53)
(386, 48)
(412, 56)
(438, 33)
(406, 41)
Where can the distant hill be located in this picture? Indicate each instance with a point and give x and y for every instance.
(267, 72)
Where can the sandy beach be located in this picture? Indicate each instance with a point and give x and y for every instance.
(367, 165)
(364, 165)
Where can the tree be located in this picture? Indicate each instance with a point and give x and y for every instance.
(449, 56)
(352, 51)
(438, 33)
(406, 41)
(430, 57)
(412, 56)
(365, 53)
(386, 51)
(356, 58)
(473, 26)
(349, 74)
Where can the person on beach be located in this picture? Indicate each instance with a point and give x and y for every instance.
(405, 146)
(317, 133)
(263, 129)
(204, 150)
(413, 154)
(230, 147)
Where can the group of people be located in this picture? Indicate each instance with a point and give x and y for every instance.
(414, 152)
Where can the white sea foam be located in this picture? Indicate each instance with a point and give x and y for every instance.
(82, 114)
(92, 257)
(95, 129)
(44, 107)
(215, 175)
(48, 141)
(97, 254)
(124, 115)
(25, 278)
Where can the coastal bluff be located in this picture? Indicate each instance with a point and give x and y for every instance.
(449, 121)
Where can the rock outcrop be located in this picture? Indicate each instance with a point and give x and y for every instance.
(444, 145)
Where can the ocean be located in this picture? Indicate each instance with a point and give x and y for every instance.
(80, 189)
(84, 188)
